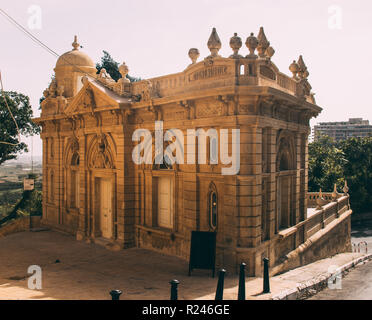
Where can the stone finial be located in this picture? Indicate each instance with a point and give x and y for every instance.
(269, 52)
(46, 93)
(60, 90)
(75, 44)
(194, 55)
(52, 88)
(345, 189)
(294, 68)
(84, 80)
(319, 200)
(251, 44)
(235, 44)
(334, 193)
(214, 43)
(302, 72)
(263, 44)
(123, 69)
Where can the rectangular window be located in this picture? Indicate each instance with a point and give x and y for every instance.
(165, 202)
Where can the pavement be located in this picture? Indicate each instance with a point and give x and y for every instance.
(75, 270)
(356, 285)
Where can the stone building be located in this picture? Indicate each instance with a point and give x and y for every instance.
(92, 187)
(355, 127)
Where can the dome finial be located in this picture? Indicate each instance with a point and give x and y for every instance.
(75, 44)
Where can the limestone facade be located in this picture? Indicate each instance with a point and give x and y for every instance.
(93, 189)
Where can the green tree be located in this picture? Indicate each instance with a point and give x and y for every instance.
(326, 165)
(358, 172)
(20, 107)
(112, 67)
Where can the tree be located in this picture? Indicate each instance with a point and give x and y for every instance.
(112, 67)
(358, 172)
(20, 107)
(326, 165)
(349, 160)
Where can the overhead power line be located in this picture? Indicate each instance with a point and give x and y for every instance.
(38, 41)
(42, 45)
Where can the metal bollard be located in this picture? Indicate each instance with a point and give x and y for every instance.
(221, 279)
(115, 294)
(266, 283)
(241, 291)
(174, 289)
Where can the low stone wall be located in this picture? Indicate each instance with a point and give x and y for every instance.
(19, 225)
(333, 239)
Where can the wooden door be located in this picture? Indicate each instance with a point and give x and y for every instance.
(106, 208)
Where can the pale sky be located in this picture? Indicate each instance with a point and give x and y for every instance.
(153, 38)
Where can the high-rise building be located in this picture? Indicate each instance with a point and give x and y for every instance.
(355, 127)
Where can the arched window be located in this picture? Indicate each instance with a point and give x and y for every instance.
(74, 181)
(51, 148)
(284, 162)
(213, 207)
(51, 187)
(166, 165)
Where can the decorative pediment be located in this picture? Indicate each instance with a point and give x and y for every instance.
(92, 98)
(100, 155)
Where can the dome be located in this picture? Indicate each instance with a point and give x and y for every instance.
(75, 57)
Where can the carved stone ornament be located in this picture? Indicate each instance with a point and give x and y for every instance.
(269, 52)
(251, 44)
(46, 93)
(149, 92)
(60, 90)
(53, 88)
(302, 72)
(124, 70)
(263, 44)
(194, 55)
(88, 100)
(102, 159)
(214, 43)
(294, 68)
(235, 44)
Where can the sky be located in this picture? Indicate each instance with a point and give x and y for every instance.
(153, 39)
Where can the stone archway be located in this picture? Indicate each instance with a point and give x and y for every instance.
(101, 188)
(285, 166)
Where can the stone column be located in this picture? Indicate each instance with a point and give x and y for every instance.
(83, 191)
(250, 202)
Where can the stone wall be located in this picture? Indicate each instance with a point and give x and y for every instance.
(19, 225)
(333, 239)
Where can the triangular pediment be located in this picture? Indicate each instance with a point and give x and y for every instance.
(94, 97)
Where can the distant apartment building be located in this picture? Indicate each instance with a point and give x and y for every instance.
(355, 127)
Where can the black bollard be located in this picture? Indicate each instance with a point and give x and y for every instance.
(115, 294)
(221, 279)
(241, 292)
(174, 289)
(266, 283)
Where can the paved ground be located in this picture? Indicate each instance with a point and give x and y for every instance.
(89, 271)
(356, 285)
(362, 232)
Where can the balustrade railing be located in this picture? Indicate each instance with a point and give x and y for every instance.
(326, 207)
